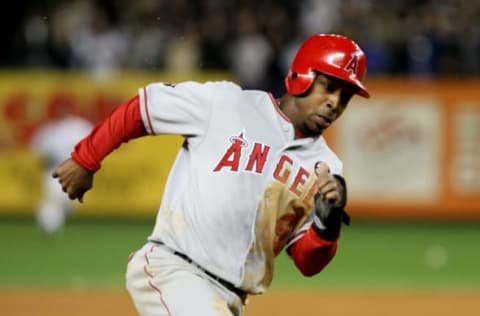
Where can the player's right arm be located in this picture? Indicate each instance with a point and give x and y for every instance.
(75, 175)
(317, 246)
(159, 109)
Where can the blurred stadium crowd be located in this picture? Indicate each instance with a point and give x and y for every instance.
(252, 39)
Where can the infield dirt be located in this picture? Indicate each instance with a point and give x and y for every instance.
(274, 303)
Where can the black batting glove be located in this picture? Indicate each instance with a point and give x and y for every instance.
(328, 218)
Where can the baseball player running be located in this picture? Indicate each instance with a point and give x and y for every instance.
(253, 177)
(52, 143)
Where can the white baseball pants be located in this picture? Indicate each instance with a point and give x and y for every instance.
(163, 284)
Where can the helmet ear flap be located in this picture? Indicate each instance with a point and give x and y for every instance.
(297, 83)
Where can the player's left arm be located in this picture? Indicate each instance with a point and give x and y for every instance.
(313, 249)
(75, 175)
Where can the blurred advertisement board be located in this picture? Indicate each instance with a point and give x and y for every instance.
(410, 151)
(391, 149)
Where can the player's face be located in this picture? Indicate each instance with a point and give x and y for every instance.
(322, 105)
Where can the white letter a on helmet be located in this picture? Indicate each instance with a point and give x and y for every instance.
(352, 65)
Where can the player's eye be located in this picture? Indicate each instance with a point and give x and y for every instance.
(345, 97)
(327, 83)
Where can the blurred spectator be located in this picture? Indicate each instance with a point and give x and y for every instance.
(215, 29)
(183, 54)
(53, 142)
(66, 21)
(319, 16)
(469, 37)
(100, 48)
(36, 42)
(148, 34)
(250, 52)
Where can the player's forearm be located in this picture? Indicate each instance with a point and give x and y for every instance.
(311, 253)
(123, 124)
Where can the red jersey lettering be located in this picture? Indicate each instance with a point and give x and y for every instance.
(258, 157)
(232, 156)
(282, 171)
(300, 178)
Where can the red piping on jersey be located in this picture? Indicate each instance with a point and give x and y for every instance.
(145, 102)
(276, 104)
(299, 134)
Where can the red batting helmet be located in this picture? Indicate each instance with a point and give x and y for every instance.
(332, 55)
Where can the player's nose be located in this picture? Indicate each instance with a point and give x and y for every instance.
(333, 99)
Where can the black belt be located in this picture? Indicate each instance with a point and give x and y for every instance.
(240, 293)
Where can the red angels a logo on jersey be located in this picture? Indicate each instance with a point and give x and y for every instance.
(352, 65)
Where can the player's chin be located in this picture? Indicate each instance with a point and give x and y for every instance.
(313, 129)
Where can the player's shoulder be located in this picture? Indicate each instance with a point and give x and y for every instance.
(206, 87)
(224, 91)
(218, 86)
(232, 91)
(224, 84)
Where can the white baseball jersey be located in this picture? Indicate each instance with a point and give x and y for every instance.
(241, 187)
(54, 143)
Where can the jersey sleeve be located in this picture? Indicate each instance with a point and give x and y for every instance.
(181, 109)
(122, 125)
(310, 253)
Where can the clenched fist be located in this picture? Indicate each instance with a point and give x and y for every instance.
(329, 187)
(330, 202)
(74, 179)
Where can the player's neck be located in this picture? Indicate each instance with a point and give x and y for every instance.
(287, 105)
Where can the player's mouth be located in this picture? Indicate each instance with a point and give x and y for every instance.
(322, 121)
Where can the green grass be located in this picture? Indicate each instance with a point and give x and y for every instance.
(394, 257)
(83, 255)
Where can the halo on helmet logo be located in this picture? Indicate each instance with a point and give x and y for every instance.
(352, 65)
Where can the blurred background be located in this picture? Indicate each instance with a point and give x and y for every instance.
(411, 152)
(254, 41)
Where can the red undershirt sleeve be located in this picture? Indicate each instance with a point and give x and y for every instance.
(311, 253)
(123, 124)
